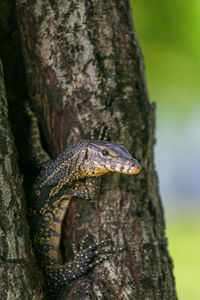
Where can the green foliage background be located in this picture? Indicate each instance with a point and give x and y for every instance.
(169, 35)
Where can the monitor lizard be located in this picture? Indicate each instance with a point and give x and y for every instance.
(70, 174)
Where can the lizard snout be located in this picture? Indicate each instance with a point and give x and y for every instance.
(131, 167)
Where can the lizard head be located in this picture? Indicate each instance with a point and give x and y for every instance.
(102, 157)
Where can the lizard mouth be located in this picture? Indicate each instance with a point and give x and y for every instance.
(134, 170)
(128, 168)
(131, 168)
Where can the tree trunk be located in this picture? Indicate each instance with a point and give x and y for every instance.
(86, 80)
(17, 280)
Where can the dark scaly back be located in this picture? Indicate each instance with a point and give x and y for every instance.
(65, 168)
(49, 201)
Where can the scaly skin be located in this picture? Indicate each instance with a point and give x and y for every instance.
(70, 174)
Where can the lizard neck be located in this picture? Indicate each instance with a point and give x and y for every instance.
(64, 169)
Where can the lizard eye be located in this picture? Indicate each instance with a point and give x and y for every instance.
(105, 152)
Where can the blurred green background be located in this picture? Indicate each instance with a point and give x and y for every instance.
(169, 35)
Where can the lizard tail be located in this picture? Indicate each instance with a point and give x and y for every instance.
(38, 155)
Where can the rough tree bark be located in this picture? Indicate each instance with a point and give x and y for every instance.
(85, 77)
(17, 281)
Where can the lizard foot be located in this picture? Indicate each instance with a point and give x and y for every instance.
(84, 260)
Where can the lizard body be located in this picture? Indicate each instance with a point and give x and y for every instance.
(70, 174)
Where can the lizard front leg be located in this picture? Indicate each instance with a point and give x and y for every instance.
(84, 260)
(87, 188)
